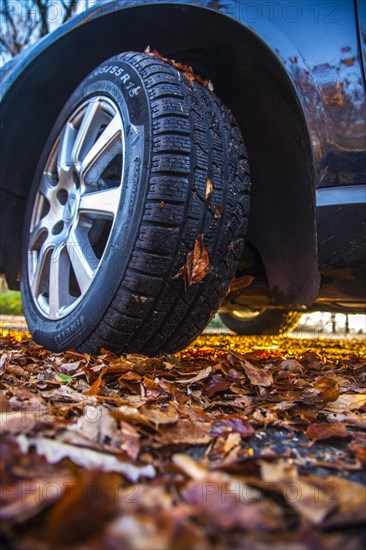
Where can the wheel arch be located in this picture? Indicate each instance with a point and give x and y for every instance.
(247, 76)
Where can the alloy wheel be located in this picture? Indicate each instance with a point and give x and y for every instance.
(76, 206)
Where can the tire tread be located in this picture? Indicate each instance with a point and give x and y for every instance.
(194, 138)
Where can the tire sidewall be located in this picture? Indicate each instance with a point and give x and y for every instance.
(130, 97)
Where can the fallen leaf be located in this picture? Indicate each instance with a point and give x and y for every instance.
(130, 414)
(130, 440)
(233, 440)
(23, 500)
(70, 368)
(16, 370)
(291, 365)
(283, 476)
(204, 373)
(232, 423)
(318, 432)
(226, 504)
(358, 445)
(84, 508)
(241, 282)
(197, 265)
(218, 211)
(209, 189)
(185, 69)
(347, 402)
(17, 422)
(328, 388)
(350, 498)
(216, 384)
(55, 451)
(95, 389)
(160, 416)
(63, 378)
(257, 376)
(185, 432)
(189, 466)
(281, 470)
(96, 424)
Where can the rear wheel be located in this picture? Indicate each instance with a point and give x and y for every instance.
(262, 321)
(136, 218)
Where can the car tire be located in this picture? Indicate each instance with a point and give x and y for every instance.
(142, 167)
(265, 321)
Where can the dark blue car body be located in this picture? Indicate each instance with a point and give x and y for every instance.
(292, 73)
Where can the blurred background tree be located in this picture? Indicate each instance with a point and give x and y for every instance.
(23, 22)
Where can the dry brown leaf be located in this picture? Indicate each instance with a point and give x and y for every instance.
(160, 416)
(232, 423)
(283, 476)
(197, 265)
(328, 388)
(204, 373)
(55, 451)
(225, 501)
(350, 498)
(186, 432)
(291, 365)
(17, 371)
(281, 470)
(95, 389)
(318, 432)
(130, 440)
(96, 424)
(130, 413)
(241, 282)
(185, 69)
(216, 384)
(209, 189)
(358, 446)
(189, 466)
(257, 376)
(17, 422)
(70, 368)
(218, 211)
(227, 504)
(232, 441)
(23, 500)
(348, 418)
(347, 402)
(84, 508)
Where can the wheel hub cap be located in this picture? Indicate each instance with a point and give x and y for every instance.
(70, 209)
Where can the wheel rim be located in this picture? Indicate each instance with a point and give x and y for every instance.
(76, 206)
(246, 314)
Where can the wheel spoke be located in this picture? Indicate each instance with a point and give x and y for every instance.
(40, 271)
(101, 203)
(82, 258)
(47, 186)
(103, 151)
(58, 294)
(37, 233)
(64, 156)
(84, 134)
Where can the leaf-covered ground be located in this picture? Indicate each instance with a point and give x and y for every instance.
(233, 443)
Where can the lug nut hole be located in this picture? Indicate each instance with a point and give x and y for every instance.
(62, 196)
(57, 228)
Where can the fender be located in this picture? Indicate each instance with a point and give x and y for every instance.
(261, 62)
